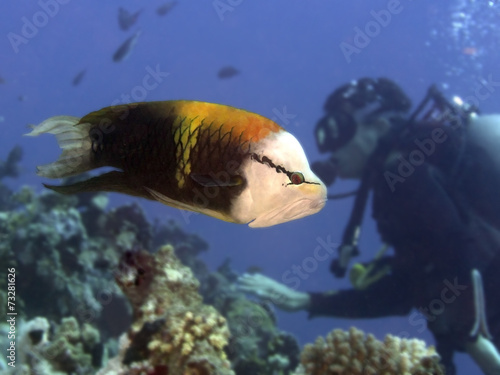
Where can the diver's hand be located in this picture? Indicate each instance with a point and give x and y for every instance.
(266, 288)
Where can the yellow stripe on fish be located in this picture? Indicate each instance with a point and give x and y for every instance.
(221, 161)
(186, 139)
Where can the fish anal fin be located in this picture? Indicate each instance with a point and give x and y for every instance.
(167, 200)
(185, 206)
(114, 181)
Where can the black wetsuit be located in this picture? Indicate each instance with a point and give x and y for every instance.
(443, 221)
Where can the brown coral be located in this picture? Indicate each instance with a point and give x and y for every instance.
(173, 331)
(354, 353)
(69, 348)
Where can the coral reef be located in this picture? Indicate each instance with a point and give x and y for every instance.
(70, 245)
(52, 251)
(187, 245)
(173, 331)
(9, 168)
(66, 250)
(256, 345)
(64, 349)
(354, 353)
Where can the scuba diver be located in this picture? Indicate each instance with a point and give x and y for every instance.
(434, 176)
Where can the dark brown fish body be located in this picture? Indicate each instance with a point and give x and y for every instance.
(145, 152)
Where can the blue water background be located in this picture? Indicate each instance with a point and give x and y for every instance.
(290, 59)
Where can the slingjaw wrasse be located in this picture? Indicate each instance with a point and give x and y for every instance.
(221, 161)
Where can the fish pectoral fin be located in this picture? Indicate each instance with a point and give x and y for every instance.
(209, 181)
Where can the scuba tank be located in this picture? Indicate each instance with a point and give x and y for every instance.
(485, 131)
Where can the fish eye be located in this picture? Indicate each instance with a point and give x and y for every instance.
(297, 178)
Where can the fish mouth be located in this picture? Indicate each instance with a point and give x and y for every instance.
(314, 206)
(293, 211)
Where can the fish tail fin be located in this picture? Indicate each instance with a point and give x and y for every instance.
(74, 141)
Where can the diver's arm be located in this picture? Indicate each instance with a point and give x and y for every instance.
(280, 295)
(388, 296)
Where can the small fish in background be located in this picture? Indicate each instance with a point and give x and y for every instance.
(78, 78)
(21, 98)
(123, 52)
(214, 159)
(2, 81)
(227, 72)
(165, 8)
(126, 19)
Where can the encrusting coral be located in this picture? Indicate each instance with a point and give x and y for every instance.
(67, 348)
(256, 346)
(66, 248)
(173, 331)
(354, 353)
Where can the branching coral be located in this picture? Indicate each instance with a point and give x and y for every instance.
(354, 353)
(173, 332)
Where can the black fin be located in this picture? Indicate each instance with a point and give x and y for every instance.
(114, 181)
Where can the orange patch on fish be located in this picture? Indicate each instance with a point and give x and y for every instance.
(251, 126)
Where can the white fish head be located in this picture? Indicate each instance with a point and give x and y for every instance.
(280, 184)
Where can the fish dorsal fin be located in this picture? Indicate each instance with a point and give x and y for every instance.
(106, 116)
(209, 181)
